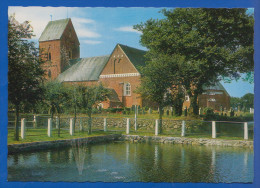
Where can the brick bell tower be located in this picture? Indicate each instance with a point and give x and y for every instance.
(58, 44)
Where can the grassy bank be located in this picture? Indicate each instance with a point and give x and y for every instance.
(40, 135)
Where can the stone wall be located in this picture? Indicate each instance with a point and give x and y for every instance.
(34, 146)
(183, 140)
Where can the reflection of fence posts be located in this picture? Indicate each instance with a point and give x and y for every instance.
(213, 129)
(23, 125)
(127, 125)
(183, 128)
(136, 112)
(105, 124)
(57, 122)
(71, 126)
(35, 118)
(245, 131)
(156, 127)
(49, 127)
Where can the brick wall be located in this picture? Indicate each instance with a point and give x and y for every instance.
(119, 64)
(217, 100)
(69, 41)
(52, 47)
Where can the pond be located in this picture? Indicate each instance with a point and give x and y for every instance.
(134, 162)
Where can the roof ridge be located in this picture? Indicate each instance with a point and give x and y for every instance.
(93, 56)
(60, 20)
(131, 47)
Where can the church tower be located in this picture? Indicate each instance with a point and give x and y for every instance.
(58, 44)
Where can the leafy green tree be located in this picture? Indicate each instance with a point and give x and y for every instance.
(235, 102)
(178, 99)
(56, 96)
(211, 43)
(89, 97)
(157, 81)
(74, 100)
(247, 101)
(24, 68)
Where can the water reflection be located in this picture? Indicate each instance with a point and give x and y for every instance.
(245, 158)
(78, 150)
(134, 162)
(127, 152)
(156, 155)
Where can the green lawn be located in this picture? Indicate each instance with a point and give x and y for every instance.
(39, 135)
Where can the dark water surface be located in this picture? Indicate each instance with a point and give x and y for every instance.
(135, 162)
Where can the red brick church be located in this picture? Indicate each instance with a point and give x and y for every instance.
(118, 71)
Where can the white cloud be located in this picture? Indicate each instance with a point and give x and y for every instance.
(85, 28)
(128, 29)
(91, 42)
(82, 20)
(40, 16)
(86, 33)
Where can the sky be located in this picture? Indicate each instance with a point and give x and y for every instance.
(100, 29)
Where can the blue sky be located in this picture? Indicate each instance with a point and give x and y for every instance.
(100, 29)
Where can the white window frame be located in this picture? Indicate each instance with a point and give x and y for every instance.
(100, 105)
(187, 98)
(127, 89)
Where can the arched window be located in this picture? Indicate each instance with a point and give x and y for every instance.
(70, 54)
(127, 89)
(49, 73)
(49, 57)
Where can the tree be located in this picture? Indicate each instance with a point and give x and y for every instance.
(247, 101)
(178, 99)
(56, 96)
(235, 102)
(157, 81)
(25, 75)
(211, 43)
(74, 100)
(89, 98)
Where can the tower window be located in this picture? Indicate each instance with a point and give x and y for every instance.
(127, 89)
(187, 98)
(70, 54)
(49, 56)
(49, 73)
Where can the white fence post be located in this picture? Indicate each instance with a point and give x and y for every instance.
(127, 126)
(183, 128)
(105, 124)
(57, 122)
(245, 131)
(49, 127)
(156, 127)
(214, 131)
(71, 126)
(34, 121)
(136, 112)
(23, 125)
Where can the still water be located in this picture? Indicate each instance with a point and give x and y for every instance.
(135, 162)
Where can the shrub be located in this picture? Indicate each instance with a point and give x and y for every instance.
(126, 110)
(232, 113)
(208, 111)
(114, 110)
(215, 117)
